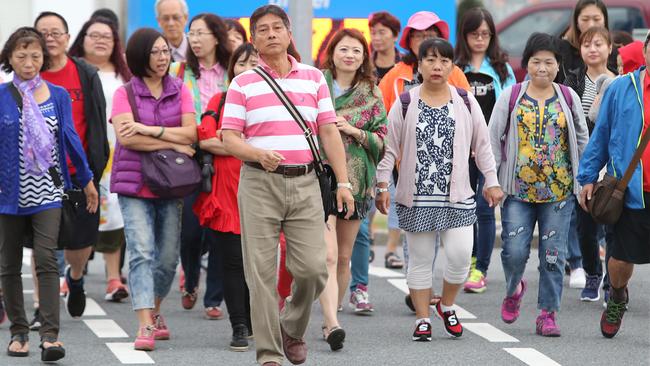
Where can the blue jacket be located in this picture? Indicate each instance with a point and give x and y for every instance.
(488, 70)
(67, 139)
(618, 131)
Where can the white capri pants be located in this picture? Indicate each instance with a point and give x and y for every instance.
(458, 245)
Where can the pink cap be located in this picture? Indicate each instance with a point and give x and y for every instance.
(423, 20)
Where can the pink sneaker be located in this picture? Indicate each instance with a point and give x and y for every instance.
(511, 305)
(145, 340)
(546, 326)
(161, 332)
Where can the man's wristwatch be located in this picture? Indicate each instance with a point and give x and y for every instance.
(379, 190)
(344, 185)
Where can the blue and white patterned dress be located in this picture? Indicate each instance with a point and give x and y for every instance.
(431, 210)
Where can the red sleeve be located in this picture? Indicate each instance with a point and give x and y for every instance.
(208, 127)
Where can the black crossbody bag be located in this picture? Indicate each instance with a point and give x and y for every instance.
(72, 200)
(324, 172)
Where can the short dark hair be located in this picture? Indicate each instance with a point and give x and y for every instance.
(436, 46)
(108, 14)
(236, 25)
(117, 53)
(138, 50)
(52, 14)
(266, 10)
(222, 52)
(540, 42)
(622, 38)
(246, 49)
(23, 37)
(386, 19)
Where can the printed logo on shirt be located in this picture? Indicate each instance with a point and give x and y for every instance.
(76, 95)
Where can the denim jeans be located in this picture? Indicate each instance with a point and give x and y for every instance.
(575, 254)
(486, 224)
(553, 219)
(194, 242)
(153, 234)
(360, 255)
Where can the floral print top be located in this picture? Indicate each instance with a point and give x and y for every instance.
(543, 171)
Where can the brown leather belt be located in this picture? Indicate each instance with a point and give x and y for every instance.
(286, 170)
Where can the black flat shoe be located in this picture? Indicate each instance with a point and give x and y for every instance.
(336, 338)
(22, 339)
(52, 353)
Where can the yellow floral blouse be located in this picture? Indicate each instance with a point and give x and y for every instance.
(543, 172)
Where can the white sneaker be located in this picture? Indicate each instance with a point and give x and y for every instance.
(578, 278)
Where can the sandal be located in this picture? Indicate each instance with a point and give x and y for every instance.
(22, 339)
(335, 338)
(51, 353)
(393, 261)
(323, 329)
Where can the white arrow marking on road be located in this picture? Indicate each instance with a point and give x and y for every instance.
(105, 328)
(489, 332)
(127, 355)
(92, 308)
(383, 272)
(401, 285)
(531, 357)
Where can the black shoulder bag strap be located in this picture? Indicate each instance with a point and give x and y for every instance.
(56, 178)
(318, 162)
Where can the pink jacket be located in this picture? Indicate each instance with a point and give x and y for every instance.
(471, 134)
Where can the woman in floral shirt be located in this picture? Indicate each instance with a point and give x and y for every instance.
(362, 123)
(538, 145)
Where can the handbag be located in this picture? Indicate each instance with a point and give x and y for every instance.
(72, 200)
(324, 172)
(167, 173)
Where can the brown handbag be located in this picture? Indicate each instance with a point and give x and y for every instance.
(606, 203)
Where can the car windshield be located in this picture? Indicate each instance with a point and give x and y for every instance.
(552, 21)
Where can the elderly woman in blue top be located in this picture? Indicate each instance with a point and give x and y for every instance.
(36, 136)
(485, 65)
(623, 118)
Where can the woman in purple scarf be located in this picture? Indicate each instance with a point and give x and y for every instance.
(36, 136)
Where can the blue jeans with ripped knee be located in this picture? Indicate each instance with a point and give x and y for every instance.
(518, 223)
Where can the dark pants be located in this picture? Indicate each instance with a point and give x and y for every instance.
(45, 226)
(588, 236)
(485, 226)
(228, 246)
(193, 242)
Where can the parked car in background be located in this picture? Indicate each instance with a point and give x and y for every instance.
(554, 18)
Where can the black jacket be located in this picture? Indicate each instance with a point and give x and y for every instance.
(98, 149)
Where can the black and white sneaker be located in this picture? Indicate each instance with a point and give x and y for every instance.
(239, 342)
(36, 322)
(422, 332)
(76, 299)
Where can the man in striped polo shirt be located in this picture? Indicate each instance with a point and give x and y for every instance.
(278, 188)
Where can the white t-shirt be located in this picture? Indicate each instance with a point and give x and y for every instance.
(110, 215)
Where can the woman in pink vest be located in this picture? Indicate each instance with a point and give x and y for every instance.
(151, 224)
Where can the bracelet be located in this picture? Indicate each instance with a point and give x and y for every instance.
(381, 190)
(162, 130)
(344, 185)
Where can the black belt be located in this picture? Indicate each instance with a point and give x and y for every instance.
(286, 170)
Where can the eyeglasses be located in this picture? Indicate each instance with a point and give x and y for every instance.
(198, 34)
(55, 34)
(419, 35)
(483, 35)
(158, 53)
(108, 37)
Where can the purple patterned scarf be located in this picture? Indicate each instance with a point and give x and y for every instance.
(38, 141)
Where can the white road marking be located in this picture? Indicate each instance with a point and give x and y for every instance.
(105, 328)
(531, 357)
(28, 291)
(383, 272)
(92, 308)
(401, 285)
(489, 332)
(27, 257)
(127, 355)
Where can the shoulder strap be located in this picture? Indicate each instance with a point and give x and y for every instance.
(514, 94)
(216, 114)
(293, 111)
(567, 95)
(463, 93)
(131, 96)
(622, 184)
(181, 71)
(405, 99)
(16, 95)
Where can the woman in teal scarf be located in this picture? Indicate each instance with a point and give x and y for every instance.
(362, 123)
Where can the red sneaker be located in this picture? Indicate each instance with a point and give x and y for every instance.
(161, 332)
(450, 320)
(116, 291)
(144, 340)
(188, 299)
(213, 313)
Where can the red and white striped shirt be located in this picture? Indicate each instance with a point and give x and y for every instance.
(252, 108)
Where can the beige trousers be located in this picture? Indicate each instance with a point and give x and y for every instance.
(269, 203)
